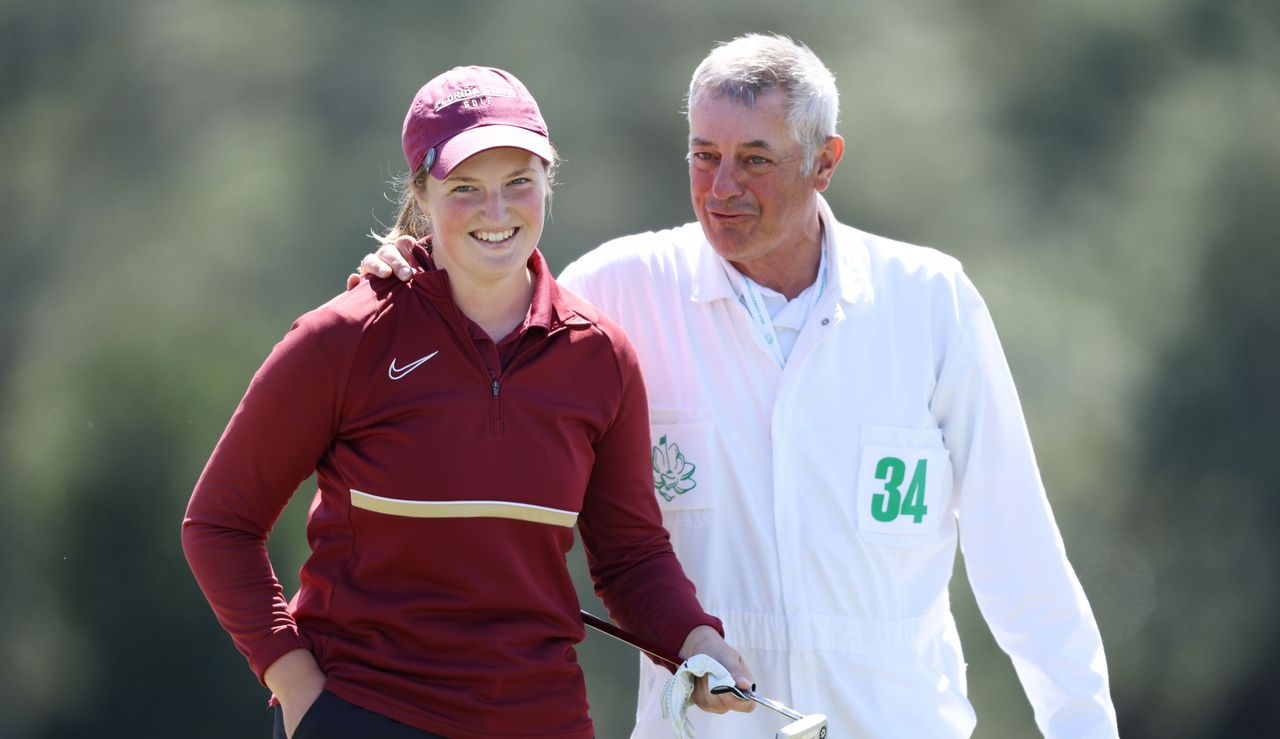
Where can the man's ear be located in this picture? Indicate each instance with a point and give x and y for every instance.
(828, 157)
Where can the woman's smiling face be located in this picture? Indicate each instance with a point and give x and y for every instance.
(487, 215)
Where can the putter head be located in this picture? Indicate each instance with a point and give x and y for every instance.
(813, 726)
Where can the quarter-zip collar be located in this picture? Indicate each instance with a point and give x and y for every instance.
(547, 311)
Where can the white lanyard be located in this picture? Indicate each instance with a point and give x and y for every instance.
(766, 335)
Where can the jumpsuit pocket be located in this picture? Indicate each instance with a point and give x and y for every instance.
(682, 454)
(919, 700)
(904, 485)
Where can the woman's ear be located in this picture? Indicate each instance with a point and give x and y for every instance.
(419, 186)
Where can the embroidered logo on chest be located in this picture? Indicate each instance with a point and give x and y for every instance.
(672, 473)
(397, 373)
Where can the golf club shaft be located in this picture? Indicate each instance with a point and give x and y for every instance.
(773, 704)
(604, 627)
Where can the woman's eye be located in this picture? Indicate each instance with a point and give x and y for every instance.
(520, 181)
(464, 188)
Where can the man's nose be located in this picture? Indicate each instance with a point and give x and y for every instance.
(725, 184)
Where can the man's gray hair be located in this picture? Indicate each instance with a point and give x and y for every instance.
(751, 65)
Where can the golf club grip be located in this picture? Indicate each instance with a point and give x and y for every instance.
(604, 627)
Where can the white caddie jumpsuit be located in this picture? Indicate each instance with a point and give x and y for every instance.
(817, 504)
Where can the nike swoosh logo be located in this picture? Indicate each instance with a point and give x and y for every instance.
(396, 373)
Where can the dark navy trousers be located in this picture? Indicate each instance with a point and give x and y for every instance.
(330, 717)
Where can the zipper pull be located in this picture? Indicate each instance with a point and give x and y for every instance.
(495, 388)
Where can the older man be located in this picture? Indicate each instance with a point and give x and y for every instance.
(831, 415)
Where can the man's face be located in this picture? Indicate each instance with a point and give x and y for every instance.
(745, 178)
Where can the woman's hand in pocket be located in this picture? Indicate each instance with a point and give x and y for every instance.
(297, 681)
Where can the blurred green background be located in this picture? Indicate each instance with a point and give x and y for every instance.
(181, 179)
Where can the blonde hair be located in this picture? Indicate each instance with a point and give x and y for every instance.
(412, 222)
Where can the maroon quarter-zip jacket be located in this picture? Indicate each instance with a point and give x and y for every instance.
(451, 472)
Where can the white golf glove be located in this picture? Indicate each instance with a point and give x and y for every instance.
(677, 696)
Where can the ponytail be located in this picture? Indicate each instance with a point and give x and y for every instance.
(410, 221)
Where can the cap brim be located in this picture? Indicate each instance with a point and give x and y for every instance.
(475, 140)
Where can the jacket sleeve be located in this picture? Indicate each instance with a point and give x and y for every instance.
(1016, 562)
(635, 571)
(287, 419)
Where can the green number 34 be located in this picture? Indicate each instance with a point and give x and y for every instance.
(890, 504)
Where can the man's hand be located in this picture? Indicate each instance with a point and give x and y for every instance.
(297, 681)
(706, 640)
(387, 259)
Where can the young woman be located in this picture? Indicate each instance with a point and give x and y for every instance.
(459, 425)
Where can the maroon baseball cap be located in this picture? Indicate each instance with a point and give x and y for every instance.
(467, 110)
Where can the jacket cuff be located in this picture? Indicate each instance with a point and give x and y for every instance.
(681, 626)
(273, 648)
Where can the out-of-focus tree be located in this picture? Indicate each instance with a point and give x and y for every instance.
(1210, 508)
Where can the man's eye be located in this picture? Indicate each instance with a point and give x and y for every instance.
(756, 159)
(704, 161)
(520, 181)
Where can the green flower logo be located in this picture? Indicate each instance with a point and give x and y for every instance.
(672, 473)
